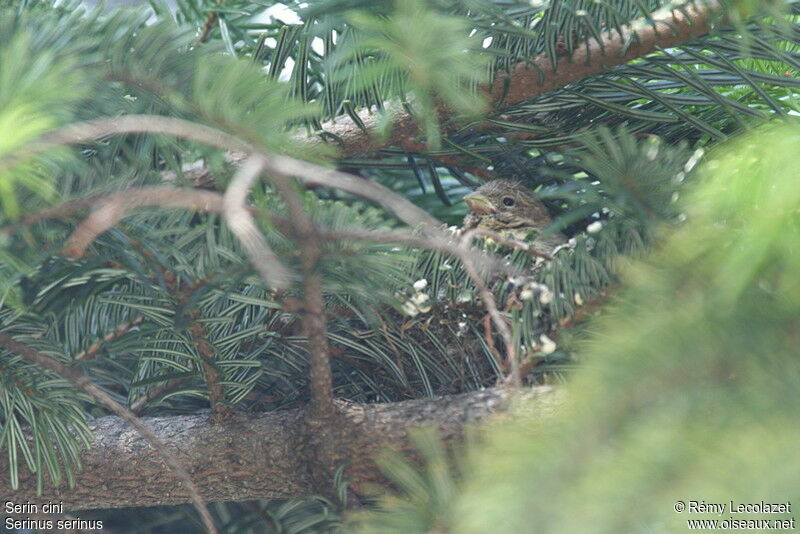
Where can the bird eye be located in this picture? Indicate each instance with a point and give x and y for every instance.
(508, 201)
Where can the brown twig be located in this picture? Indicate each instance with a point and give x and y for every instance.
(113, 207)
(392, 345)
(220, 411)
(440, 242)
(120, 331)
(212, 202)
(314, 318)
(208, 26)
(155, 392)
(175, 197)
(243, 225)
(469, 235)
(514, 379)
(80, 381)
(317, 175)
(310, 173)
(488, 336)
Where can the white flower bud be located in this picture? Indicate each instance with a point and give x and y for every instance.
(548, 346)
(462, 328)
(546, 296)
(578, 299)
(420, 284)
(594, 227)
(410, 309)
(652, 152)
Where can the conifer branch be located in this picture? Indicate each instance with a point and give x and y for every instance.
(536, 76)
(314, 318)
(309, 173)
(242, 224)
(114, 207)
(154, 392)
(259, 456)
(120, 331)
(82, 382)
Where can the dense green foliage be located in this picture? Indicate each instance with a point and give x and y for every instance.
(690, 387)
(610, 153)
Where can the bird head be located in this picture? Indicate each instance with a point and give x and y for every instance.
(508, 202)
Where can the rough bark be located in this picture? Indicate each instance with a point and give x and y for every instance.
(254, 456)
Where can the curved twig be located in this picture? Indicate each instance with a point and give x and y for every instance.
(514, 379)
(469, 235)
(310, 173)
(113, 207)
(243, 225)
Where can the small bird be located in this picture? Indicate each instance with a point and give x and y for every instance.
(512, 210)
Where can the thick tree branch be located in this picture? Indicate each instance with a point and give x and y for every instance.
(539, 75)
(126, 417)
(254, 456)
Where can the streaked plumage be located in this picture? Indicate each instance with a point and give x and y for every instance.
(511, 209)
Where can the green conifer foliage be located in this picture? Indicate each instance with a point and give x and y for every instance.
(691, 379)
(696, 356)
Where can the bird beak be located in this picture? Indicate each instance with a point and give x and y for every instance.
(479, 203)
